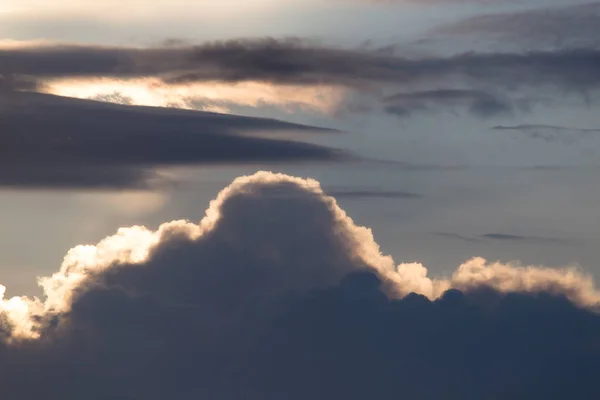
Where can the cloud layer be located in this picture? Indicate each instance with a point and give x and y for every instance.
(572, 26)
(276, 293)
(550, 133)
(56, 142)
(293, 61)
(483, 83)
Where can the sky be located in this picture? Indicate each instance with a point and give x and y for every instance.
(292, 199)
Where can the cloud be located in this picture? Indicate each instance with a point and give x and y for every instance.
(550, 133)
(56, 142)
(294, 61)
(477, 103)
(504, 237)
(276, 293)
(489, 80)
(96, 177)
(521, 238)
(11, 83)
(456, 236)
(205, 96)
(573, 26)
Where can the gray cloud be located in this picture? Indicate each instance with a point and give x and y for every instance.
(242, 306)
(477, 103)
(92, 177)
(521, 238)
(550, 133)
(504, 237)
(573, 26)
(10, 83)
(457, 236)
(50, 141)
(298, 62)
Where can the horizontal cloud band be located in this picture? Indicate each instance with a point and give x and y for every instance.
(55, 142)
(294, 61)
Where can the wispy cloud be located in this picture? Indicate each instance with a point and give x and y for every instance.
(524, 239)
(504, 237)
(550, 133)
(477, 103)
(550, 27)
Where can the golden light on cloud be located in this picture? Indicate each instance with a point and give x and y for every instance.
(207, 96)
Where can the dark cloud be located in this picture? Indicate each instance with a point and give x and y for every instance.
(277, 294)
(92, 177)
(10, 83)
(477, 103)
(574, 26)
(550, 133)
(521, 238)
(298, 62)
(504, 237)
(50, 141)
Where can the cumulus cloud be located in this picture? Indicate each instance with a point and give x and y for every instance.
(276, 293)
(55, 142)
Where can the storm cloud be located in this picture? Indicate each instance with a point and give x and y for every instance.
(56, 142)
(277, 293)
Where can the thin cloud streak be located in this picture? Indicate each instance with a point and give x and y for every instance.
(477, 103)
(554, 27)
(504, 237)
(550, 133)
